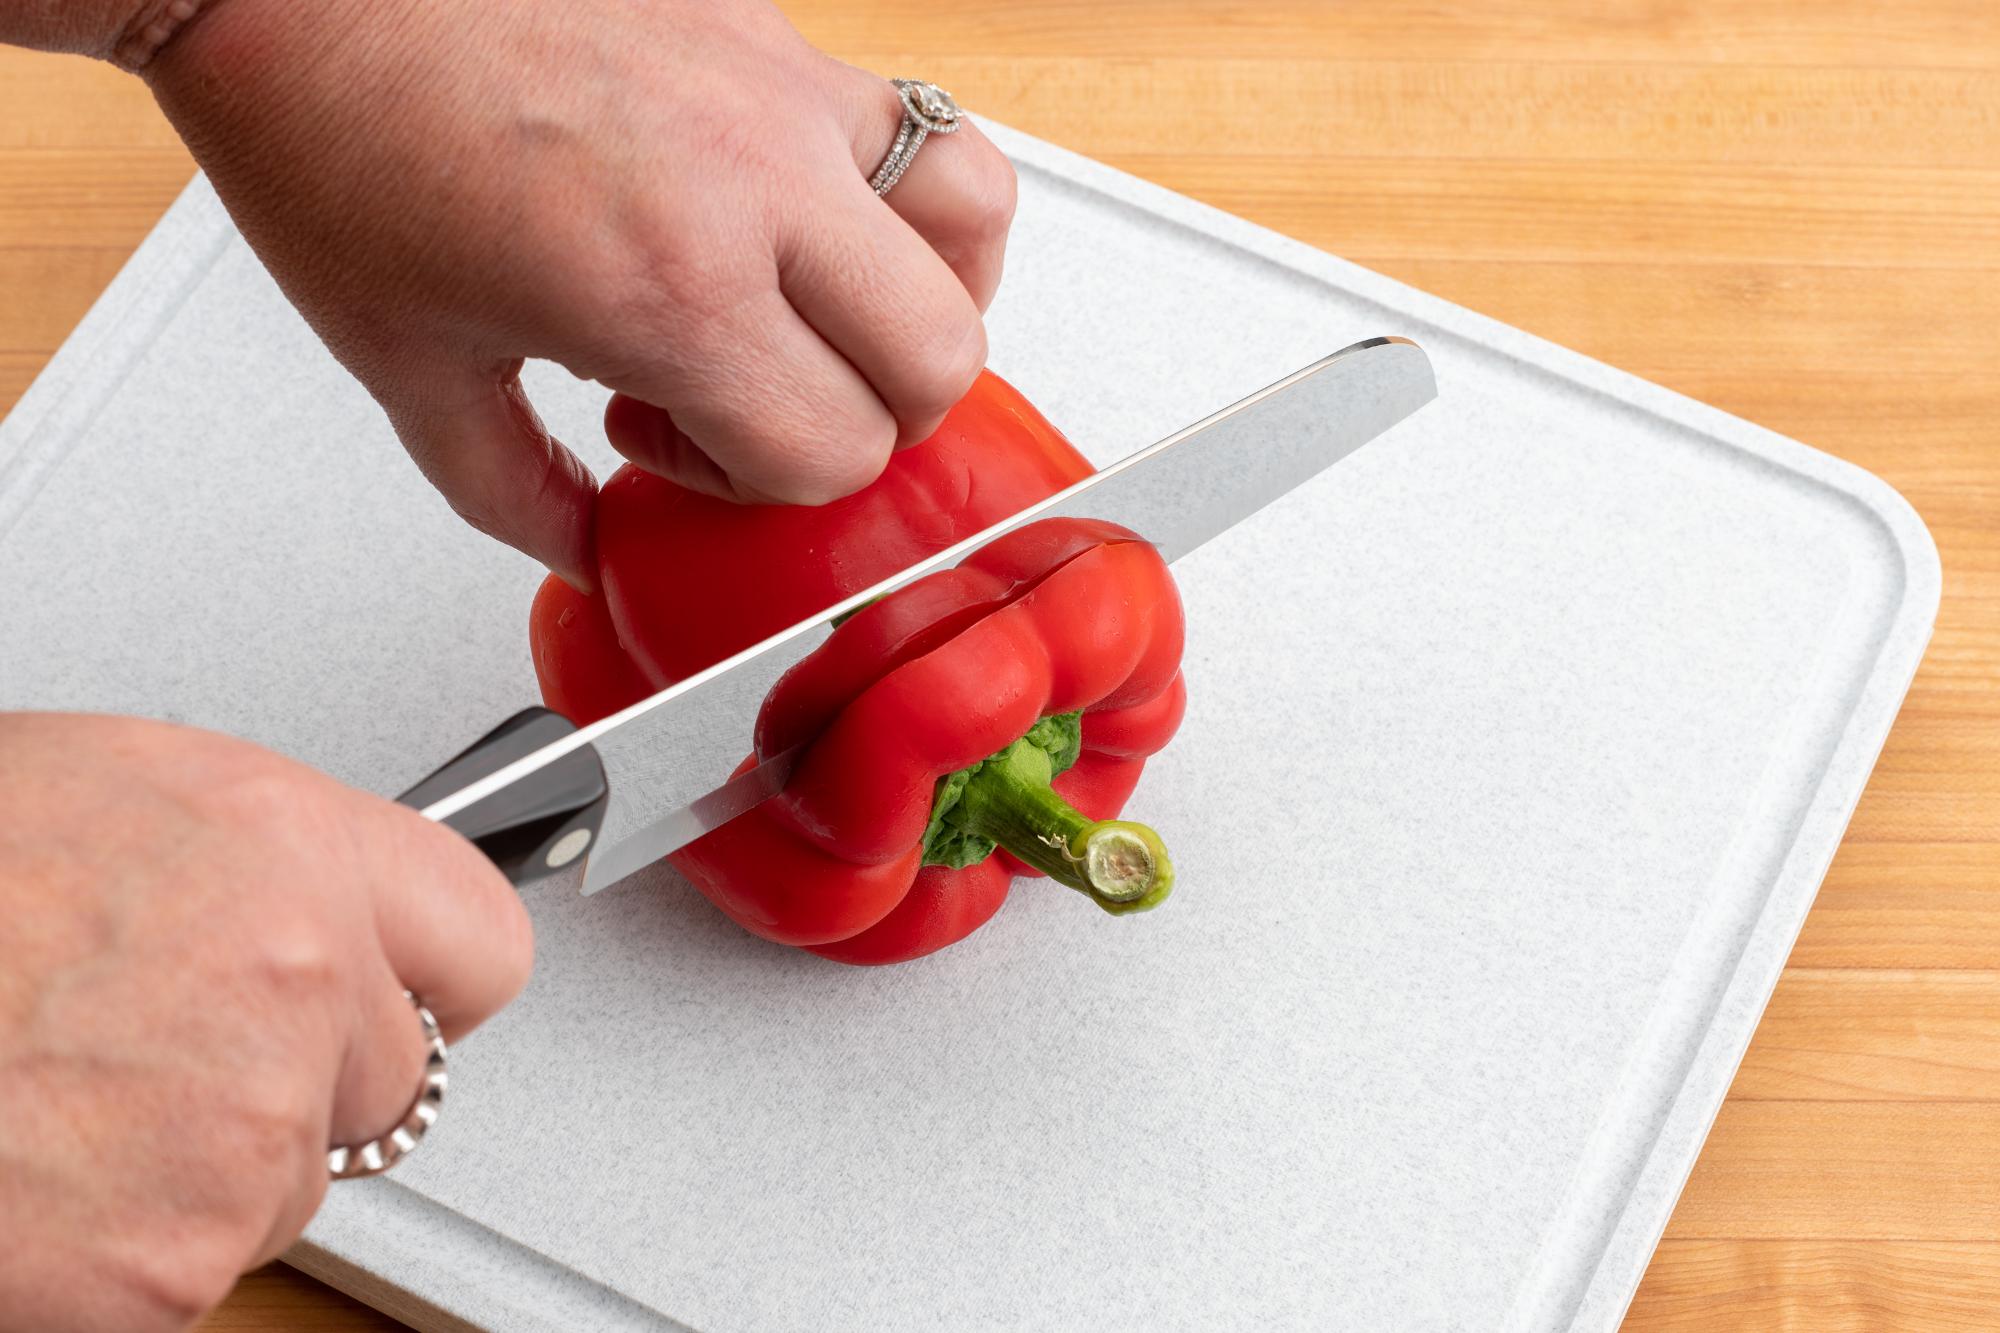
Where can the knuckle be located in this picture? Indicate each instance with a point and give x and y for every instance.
(664, 296)
(296, 961)
(639, 299)
(443, 461)
(663, 277)
(251, 789)
(179, 1283)
(479, 513)
(294, 952)
(531, 506)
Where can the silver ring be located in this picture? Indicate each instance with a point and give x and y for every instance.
(927, 110)
(377, 1156)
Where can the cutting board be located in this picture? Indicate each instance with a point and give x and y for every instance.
(1517, 747)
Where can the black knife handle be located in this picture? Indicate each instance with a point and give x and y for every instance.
(538, 825)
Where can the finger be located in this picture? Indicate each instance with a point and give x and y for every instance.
(380, 1073)
(383, 1063)
(958, 193)
(451, 927)
(884, 300)
(477, 438)
(297, 1209)
(807, 429)
(648, 436)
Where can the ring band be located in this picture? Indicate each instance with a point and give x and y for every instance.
(927, 110)
(378, 1155)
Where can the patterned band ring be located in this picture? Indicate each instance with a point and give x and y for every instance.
(373, 1158)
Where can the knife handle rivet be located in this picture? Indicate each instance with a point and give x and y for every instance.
(568, 847)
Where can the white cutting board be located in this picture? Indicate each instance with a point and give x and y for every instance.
(1560, 696)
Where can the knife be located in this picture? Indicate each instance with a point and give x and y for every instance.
(537, 792)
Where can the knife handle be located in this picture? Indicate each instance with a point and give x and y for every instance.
(538, 825)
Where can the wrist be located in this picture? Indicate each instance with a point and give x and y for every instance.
(128, 33)
(151, 27)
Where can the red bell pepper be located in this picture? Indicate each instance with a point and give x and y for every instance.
(688, 579)
(1010, 701)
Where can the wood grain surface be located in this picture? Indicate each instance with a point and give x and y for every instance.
(1789, 208)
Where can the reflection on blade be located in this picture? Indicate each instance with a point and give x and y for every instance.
(615, 860)
(663, 754)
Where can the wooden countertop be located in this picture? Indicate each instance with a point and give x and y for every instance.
(1788, 208)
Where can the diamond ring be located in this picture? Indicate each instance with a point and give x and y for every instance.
(927, 110)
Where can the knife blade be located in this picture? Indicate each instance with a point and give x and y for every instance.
(536, 793)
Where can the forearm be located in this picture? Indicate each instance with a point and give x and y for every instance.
(126, 32)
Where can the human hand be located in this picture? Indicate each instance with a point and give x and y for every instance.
(667, 197)
(203, 953)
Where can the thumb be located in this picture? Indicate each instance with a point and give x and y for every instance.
(476, 437)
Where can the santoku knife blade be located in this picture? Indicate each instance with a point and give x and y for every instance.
(536, 793)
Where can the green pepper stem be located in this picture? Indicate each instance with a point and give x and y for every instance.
(1122, 866)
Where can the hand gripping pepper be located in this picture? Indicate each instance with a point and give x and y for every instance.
(1009, 702)
(688, 579)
